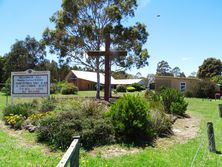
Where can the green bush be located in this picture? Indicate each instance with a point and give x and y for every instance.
(138, 87)
(87, 121)
(161, 122)
(25, 110)
(173, 101)
(69, 88)
(57, 130)
(154, 100)
(48, 104)
(188, 94)
(204, 89)
(60, 85)
(15, 121)
(130, 89)
(130, 118)
(53, 88)
(7, 88)
(121, 88)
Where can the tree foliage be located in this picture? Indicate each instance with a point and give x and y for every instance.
(24, 54)
(217, 79)
(176, 71)
(163, 69)
(80, 26)
(210, 68)
(2, 62)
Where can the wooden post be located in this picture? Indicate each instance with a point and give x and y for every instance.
(211, 139)
(71, 155)
(220, 110)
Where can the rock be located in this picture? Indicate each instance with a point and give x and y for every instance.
(31, 128)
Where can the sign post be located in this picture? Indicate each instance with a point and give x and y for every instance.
(30, 83)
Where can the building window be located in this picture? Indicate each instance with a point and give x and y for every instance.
(182, 86)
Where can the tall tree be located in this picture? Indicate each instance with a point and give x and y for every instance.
(24, 54)
(82, 25)
(210, 68)
(163, 69)
(2, 72)
(52, 66)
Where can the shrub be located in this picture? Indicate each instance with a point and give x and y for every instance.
(15, 121)
(138, 87)
(130, 118)
(204, 89)
(34, 118)
(161, 122)
(154, 100)
(130, 89)
(87, 121)
(173, 101)
(69, 88)
(121, 88)
(48, 105)
(56, 130)
(24, 110)
(188, 94)
(53, 88)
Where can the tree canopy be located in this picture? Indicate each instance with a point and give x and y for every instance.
(163, 69)
(24, 54)
(2, 63)
(81, 26)
(210, 68)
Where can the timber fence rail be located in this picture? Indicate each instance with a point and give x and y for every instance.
(71, 156)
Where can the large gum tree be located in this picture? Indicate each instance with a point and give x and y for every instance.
(81, 25)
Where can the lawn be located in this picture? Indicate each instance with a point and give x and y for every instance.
(14, 153)
(18, 148)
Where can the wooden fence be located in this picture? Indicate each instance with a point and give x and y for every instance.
(71, 156)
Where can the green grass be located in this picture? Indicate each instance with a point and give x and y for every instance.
(178, 155)
(14, 153)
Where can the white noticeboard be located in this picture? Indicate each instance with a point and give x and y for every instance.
(30, 83)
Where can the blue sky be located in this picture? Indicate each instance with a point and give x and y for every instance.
(186, 33)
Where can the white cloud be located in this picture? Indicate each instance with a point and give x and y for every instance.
(186, 58)
(144, 3)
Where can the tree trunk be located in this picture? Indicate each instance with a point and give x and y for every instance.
(98, 79)
(110, 82)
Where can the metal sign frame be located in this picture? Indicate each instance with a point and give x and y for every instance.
(34, 78)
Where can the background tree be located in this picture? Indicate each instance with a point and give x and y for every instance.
(163, 69)
(192, 75)
(24, 54)
(210, 67)
(176, 71)
(82, 25)
(217, 79)
(121, 75)
(2, 72)
(182, 74)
